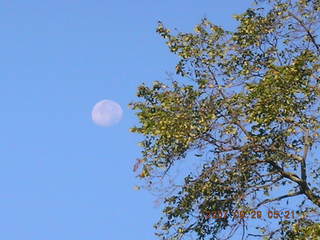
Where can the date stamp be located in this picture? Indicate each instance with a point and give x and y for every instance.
(252, 214)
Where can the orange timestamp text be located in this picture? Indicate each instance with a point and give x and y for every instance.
(253, 214)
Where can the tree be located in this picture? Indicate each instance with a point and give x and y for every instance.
(245, 110)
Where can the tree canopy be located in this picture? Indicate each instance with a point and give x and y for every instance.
(245, 106)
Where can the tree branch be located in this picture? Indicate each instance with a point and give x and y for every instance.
(305, 154)
(279, 198)
(313, 40)
(285, 174)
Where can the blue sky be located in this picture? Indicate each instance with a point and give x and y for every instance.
(61, 176)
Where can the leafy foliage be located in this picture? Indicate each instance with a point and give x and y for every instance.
(252, 104)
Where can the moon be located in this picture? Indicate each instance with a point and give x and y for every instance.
(106, 113)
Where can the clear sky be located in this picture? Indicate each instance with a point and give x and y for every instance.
(61, 176)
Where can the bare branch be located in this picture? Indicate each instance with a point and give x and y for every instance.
(305, 154)
(279, 198)
(285, 174)
(313, 40)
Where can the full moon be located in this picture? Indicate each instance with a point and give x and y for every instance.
(106, 113)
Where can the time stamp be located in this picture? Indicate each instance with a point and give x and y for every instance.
(252, 214)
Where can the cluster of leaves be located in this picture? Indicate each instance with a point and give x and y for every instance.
(301, 229)
(172, 120)
(253, 104)
(292, 81)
